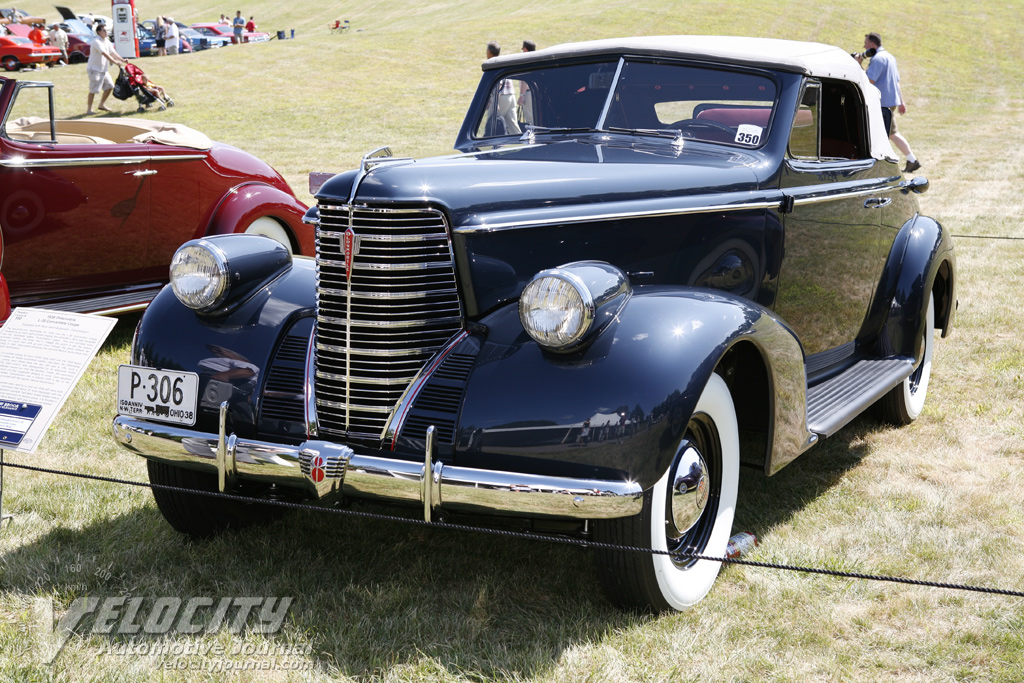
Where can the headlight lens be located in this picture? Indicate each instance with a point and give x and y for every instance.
(199, 275)
(556, 309)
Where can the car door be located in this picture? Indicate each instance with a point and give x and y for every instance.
(75, 212)
(835, 244)
(180, 180)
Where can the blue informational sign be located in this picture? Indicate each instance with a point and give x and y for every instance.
(15, 419)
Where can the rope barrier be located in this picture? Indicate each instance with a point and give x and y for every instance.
(564, 540)
(988, 237)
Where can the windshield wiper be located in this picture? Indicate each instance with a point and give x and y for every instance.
(673, 133)
(532, 130)
(649, 132)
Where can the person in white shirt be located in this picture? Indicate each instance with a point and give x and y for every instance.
(172, 36)
(506, 94)
(59, 39)
(101, 54)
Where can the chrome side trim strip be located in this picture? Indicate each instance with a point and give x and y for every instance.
(463, 489)
(822, 198)
(813, 198)
(20, 162)
(177, 157)
(654, 213)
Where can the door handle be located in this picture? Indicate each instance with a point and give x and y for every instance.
(140, 174)
(877, 202)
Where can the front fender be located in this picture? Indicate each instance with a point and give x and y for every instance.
(246, 202)
(619, 407)
(922, 261)
(231, 353)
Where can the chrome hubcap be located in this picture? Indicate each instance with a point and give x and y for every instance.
(688, 495)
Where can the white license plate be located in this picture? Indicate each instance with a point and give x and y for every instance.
(162, 395)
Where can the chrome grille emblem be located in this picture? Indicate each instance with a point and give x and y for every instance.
(351, 251)
(381, 316)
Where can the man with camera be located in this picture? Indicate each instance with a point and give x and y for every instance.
(883, 73)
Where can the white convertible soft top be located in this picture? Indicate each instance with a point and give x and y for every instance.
(812, 59)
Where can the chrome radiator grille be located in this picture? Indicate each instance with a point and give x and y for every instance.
(381, 317)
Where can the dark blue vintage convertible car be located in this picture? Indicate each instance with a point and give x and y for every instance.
(652, 261)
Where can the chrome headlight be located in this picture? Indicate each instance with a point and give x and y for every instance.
(199, 275)
(215, 274)
(563, 307)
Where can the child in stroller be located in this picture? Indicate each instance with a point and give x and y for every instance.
(133, 81)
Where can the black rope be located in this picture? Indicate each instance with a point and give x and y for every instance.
(522, 535)
(988, 237)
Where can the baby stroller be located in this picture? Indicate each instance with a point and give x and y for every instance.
(133, 81)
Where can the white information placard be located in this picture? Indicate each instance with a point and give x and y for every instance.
(43, 354)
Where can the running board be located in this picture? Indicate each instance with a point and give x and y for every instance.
(836, 401)
(110, 304)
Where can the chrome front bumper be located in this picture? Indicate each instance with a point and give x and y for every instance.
(327, 471)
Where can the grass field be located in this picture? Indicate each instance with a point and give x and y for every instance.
(939, 500)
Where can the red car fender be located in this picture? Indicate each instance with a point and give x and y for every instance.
(5, 300)
(246, 202)
(5, 294)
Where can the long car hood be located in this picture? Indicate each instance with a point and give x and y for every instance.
(643, 207)
(479, 189)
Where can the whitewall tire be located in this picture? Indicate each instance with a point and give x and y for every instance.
(660, 582)
(268, 227)
(904, 402)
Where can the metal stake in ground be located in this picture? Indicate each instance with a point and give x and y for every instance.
(3, 517)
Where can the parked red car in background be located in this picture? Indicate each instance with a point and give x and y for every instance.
(220, 30)
(92, 210)
(16, 52)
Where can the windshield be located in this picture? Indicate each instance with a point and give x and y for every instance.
(643, 97)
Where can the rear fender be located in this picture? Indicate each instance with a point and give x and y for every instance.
(921, 262)
(247, 202)
(618, 408)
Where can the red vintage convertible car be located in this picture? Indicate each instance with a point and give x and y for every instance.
(16, 52)
(92, 210)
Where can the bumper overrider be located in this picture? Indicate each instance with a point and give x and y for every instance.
(329, 471)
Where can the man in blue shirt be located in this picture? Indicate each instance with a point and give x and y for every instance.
(884, 74)
(238, 24)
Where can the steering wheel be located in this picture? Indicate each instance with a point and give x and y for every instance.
(702, 123)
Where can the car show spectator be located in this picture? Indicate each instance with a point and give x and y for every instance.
(36, 35)
(160, 37)
(238, 24)
(171, 36)
(507, 98)
(59, 39)
(250, 25)
(224, 21)
(101, 54)
(884, 75)
(529, 46)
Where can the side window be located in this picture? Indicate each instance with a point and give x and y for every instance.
(30, 115)
(843, 129)
(830, 123)
(803, 139)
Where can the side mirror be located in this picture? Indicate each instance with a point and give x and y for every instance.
(918, 185)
